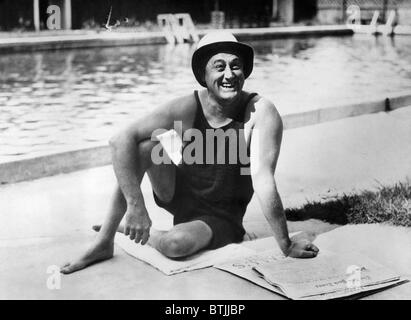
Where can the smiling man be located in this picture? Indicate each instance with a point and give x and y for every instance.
(208, 197)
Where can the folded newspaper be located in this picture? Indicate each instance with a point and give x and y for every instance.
(203, 259)
(328, 276)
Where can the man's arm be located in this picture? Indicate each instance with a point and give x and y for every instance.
(265, 148)
(126, 163)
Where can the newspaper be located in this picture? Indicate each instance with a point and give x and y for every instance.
(203, 259)
(328, 276)
(244, 268)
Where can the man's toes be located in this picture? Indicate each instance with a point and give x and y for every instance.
(72, 267)
(65, 269)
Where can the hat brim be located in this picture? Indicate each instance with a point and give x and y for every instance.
(204, 53)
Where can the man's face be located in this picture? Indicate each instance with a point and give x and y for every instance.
(224, 76)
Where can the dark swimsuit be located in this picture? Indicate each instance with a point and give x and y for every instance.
(215, 193)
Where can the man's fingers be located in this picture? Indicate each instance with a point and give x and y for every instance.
(139, 234)
(132, 234)
(308, 254)
(127, 230)
(146, 235)
(312, 247)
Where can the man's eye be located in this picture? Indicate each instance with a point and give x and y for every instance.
(220, 68)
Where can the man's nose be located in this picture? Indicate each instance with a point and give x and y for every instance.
(228, 73)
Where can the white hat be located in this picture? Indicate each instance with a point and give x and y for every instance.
(216, 42)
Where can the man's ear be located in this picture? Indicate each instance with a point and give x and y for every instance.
(204, 67)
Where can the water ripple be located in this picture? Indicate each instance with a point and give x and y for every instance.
(51, 100)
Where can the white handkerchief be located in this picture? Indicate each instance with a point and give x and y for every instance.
(172, 144)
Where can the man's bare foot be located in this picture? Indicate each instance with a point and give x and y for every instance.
(99, 251)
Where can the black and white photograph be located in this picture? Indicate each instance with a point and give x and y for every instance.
(207, 153)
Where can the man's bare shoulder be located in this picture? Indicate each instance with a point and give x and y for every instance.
(263, 112)
(177, 108)
(162, 117)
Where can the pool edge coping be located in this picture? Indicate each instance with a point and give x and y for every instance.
(112, 39)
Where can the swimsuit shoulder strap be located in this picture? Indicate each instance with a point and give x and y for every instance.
(199, 120)
(250, 97)
(247, 101)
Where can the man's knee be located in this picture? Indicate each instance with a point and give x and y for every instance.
(144, 151)
(177, 244)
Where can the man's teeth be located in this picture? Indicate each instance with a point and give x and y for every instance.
(226, 85)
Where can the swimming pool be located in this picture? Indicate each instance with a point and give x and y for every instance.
(58, 99)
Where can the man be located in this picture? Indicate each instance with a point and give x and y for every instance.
(208, 198)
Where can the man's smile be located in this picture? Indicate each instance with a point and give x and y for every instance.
(226, 86)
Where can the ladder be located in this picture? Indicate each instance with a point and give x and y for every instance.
(177, 28)
(372, 28)
(388, 28)
(165, 22)
(373, 24)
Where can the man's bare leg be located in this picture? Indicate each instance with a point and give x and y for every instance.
(152, 241)
(182, 240)
(103, 246)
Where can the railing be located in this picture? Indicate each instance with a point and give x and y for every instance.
(387, 29)
(368, 7)
(363, 4)
(177, 28)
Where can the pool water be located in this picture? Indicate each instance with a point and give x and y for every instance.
(50, 101)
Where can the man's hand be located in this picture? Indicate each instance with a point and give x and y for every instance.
(137, 225)
(302, 249)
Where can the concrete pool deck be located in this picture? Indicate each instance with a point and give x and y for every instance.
(87, 39)
(47, 221)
